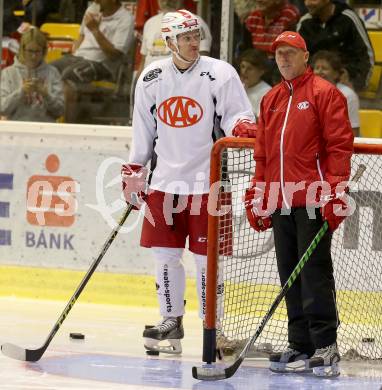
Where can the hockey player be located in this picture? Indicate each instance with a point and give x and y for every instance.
(182, 105)
(304, 138)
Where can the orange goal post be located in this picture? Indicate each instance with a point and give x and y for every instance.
(242, 278)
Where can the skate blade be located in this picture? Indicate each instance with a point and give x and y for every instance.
(327, 371)
(299, 367)
(170, 346)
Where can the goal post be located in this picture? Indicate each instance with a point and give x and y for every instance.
(246, 278)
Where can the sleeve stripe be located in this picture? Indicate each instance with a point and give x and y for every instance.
(302, 19)
(362, 32)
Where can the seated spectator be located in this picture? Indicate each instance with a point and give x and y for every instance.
(328, 65)
(334, 26)
(31, 90)
(253, 64)
(269, 19)
(153, 47)
(105, 37)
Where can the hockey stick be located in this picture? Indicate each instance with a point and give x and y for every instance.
(215, 373)
(32, 355)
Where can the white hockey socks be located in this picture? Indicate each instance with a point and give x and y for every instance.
(201, 282)
(170, 281)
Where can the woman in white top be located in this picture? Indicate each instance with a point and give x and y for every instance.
(31, 89)
(328, 65)
(253, 64)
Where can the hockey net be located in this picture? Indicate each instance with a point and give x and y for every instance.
(242, 262)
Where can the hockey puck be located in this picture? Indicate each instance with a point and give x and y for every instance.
(368, 340)
(152, 353)
(77, 336)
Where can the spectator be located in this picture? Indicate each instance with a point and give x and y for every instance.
(31, 90)
(328, 65)
(105, 37)
(269, 19)
(334, 26)
(153, 47)
(253, 65)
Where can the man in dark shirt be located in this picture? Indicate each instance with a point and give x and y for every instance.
(334, 26)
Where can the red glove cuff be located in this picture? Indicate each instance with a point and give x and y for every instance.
(245, 128)
(335, 206)
(134, 183)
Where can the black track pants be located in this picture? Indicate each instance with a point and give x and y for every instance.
(311, 301)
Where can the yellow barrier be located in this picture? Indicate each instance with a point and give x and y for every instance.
(103, 287)
(68, 31)
(371, 123)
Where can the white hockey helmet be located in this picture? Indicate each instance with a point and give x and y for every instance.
(178, 22)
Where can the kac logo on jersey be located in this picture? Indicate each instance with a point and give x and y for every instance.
(303, 105)
(180, 111)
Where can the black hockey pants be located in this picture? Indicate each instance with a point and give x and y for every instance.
(311, 301)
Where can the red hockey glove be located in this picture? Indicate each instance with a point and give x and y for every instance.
(134, 184)
(335, 206)
(255, 206)
(245, 128)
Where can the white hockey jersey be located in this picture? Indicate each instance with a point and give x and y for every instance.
(178, 116)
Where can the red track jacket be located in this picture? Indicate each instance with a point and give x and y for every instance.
(304, 136)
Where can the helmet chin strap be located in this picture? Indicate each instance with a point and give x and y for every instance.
(179, 57)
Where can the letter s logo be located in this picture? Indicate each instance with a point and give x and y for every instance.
(180, 111)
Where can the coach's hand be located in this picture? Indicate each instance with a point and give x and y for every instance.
(134, 184)
(255, 206)
(245, 128)
(335, 206)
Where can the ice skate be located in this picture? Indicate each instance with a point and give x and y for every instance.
(165, 337)
(324, 362)
(289, 360)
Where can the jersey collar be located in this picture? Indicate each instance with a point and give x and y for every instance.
(188, 70)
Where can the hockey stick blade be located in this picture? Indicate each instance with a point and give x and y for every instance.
(32, 355)
(216, 373)
(15, 352)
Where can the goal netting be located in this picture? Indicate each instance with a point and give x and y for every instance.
(245, 262)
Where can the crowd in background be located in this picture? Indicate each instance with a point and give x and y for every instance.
(95, 82)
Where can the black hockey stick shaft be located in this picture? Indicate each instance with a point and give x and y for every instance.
(32, 355)
(204, 373)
